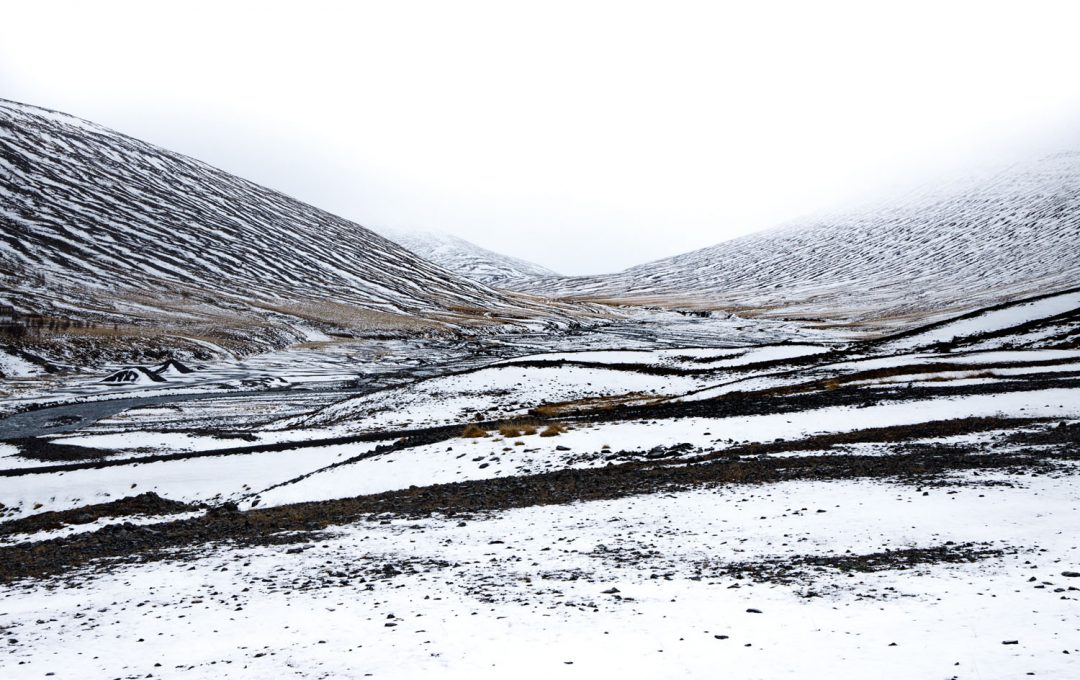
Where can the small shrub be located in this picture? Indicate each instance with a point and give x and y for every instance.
(553, 430)
(509, 430)
(528, 430)
(474, 431)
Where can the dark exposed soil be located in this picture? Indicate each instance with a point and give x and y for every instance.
(1065, 434)
(560, 487)
(804, 568)
(974, 314)
(1023, 446)
(48, 451)
(148, 503)
(730, 405)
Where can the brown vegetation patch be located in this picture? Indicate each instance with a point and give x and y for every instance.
(553, 430)
(592, 404)
(474, 431)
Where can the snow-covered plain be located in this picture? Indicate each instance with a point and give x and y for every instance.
(592, 446)
(528, 593)
(211, 479)
(748, 578)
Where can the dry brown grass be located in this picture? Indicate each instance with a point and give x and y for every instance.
(548, 410)
(517, 428)
(351, 317)
(609, 403)
(509, 430)
(553, 430)
(474, 431)
(469, 311)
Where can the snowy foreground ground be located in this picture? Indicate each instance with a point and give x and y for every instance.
(900, 509)
(523, 593)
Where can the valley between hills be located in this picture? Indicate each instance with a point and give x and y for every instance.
(241, 437)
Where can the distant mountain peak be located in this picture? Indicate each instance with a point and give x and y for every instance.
(468, 259)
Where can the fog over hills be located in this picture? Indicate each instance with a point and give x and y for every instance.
(957, 247)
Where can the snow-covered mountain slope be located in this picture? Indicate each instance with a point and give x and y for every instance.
(102, 228)
(947, 250)
(468, 259)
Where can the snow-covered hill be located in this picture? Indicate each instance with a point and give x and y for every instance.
(100, 228)
(468, 259)
(955, 248)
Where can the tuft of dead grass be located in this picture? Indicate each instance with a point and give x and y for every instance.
(589, 404)
(517, 428)
(509, 430)
(474, 431)
(553, 430)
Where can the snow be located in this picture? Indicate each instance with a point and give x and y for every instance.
(133, 376)
(521, 592)
(592, 357)
(783, 378)
(512, 610)
(153, 218)
(467, 259)
(8, 452)
(73, 529)
(1017, 356)
(13, 366)
(1013, 315)
(976, 377)
(196, 480)
(894, 265)
(678, 357)
(151, 441)
(456, 398)
(494, 456)
(769, 353)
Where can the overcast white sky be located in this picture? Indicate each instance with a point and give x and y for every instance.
(586, 137)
